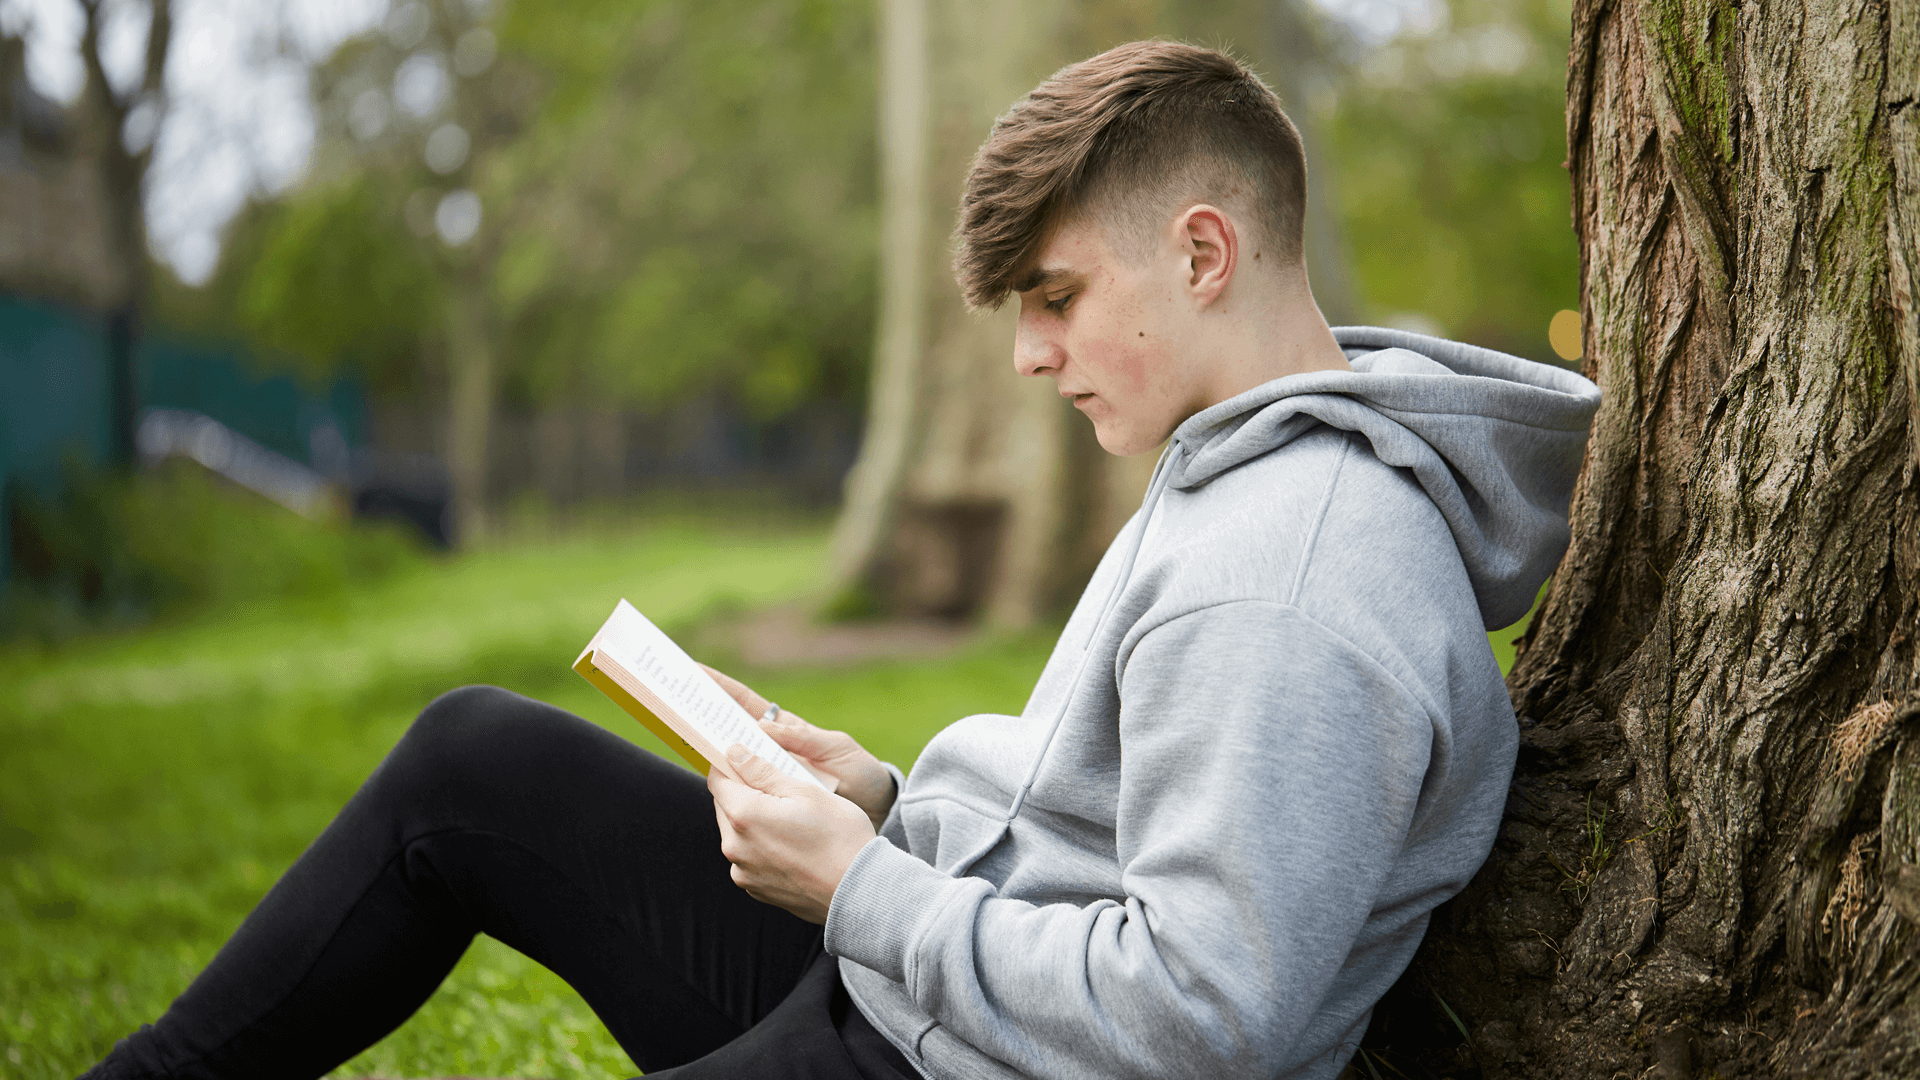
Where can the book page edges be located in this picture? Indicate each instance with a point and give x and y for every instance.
(606, 674)
(632, 695)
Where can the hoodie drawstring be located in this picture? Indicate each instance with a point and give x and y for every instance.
(1162, 474)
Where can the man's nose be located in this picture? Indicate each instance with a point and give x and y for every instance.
(1033, 353)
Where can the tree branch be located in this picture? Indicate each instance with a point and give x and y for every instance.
(152, 78)
(98, 87)
(159, 37)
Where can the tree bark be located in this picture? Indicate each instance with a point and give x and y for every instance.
(1711, 858)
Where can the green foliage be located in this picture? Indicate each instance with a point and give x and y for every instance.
(337, 277)
(679, 197)
(703, 176)
(174, 541)
(1453, 197)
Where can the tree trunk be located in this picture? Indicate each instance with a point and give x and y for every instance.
(1298, 66)
(873, 486)
(976, 492)
(1711, 858)
(122, 179)
(470, 394)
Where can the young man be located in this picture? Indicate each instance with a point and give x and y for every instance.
(1271, 739)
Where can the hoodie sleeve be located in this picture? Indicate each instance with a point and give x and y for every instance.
(1269, 774)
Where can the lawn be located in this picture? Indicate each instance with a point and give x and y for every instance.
(154, 784)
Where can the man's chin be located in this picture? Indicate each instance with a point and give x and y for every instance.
(1122, 443)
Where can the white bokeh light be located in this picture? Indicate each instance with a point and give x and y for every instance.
(52, 31)
(123, 43)
(407, 25)
(142, 124)
(420, 86)
(457, 218)
(446, 148)
(1376, 22)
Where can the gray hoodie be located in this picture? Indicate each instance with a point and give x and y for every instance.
(1271, 739)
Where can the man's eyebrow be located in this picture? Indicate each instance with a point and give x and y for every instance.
(1037, 278)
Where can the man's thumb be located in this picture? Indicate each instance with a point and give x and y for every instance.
(755, 771)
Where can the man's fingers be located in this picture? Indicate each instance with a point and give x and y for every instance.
(800, 737)
(740, 692)
(729, 840)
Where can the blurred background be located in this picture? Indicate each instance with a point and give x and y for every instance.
(352, 349)
(453, 264)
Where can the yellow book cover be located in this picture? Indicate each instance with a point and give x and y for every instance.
(641, 670)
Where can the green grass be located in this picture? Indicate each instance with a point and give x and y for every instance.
(154, 784)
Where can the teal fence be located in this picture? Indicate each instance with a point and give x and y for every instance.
(56, 399)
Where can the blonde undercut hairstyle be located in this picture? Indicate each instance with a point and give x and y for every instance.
(1124, 138)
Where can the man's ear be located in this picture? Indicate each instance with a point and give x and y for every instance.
(1212, 250)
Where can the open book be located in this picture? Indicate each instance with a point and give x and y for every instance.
(658, 684)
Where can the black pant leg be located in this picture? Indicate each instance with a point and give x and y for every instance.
(815, 1034)
(500, 815)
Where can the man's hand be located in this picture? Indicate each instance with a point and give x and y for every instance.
(863, 780)
(789, 841)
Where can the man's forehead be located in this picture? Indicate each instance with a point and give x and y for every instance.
(1071, 249)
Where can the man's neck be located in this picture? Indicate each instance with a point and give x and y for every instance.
(1285, 336)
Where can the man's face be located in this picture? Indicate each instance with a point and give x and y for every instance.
(1111, 332)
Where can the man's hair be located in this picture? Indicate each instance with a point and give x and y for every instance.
(1129, 131)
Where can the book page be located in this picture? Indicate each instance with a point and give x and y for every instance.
(634, 643)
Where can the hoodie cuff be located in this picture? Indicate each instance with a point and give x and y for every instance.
(880, 906)
(899, 788)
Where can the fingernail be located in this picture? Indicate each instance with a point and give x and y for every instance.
(738, 754)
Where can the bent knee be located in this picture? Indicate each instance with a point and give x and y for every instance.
(477, 727)
(457, 713)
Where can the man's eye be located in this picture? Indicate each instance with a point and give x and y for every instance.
(1059, 303)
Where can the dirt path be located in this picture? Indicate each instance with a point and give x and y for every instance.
(787, 636)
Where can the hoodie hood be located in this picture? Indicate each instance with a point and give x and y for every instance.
(1495, 441)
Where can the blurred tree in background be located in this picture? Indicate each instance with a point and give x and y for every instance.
(627, 204)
